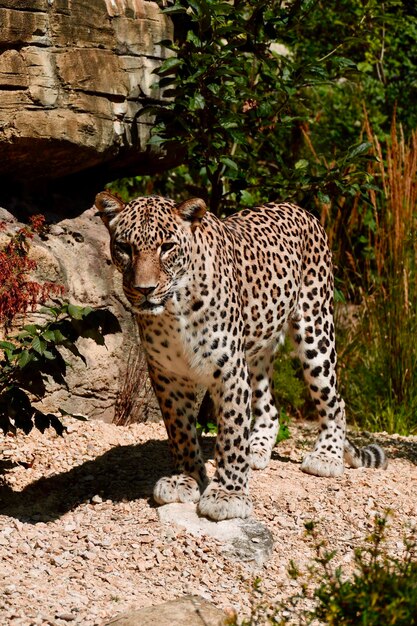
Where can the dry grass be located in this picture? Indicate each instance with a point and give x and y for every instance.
(394, 237)
(135, 391)
(373, 235)
(380, 355)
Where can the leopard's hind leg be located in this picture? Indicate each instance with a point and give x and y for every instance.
(314, 338)
(264, 410)
(312, 329)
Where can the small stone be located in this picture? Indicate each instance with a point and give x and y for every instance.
(87, 555)
(96, 499)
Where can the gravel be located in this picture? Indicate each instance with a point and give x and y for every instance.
(80, 538)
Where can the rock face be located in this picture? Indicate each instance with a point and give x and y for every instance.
(75, 254)
(74, 75)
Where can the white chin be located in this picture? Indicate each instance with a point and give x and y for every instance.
(155, 309)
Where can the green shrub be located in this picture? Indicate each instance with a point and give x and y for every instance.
(240, 89)
(382, 591)
(37, 353)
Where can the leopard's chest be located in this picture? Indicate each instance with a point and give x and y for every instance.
(172, 348)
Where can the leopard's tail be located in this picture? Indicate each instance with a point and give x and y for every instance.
(370, 456)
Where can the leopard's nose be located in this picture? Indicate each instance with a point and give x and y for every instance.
(145, 291)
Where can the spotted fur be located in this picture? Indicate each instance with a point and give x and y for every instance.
(213, 299)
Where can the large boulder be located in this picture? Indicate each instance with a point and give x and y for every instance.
(74, 76)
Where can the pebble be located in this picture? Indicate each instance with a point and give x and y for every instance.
(109, 552)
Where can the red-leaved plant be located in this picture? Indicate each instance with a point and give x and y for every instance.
(18, 292)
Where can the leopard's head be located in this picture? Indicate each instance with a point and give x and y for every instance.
(151, 245)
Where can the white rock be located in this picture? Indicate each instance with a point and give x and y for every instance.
(245, 540)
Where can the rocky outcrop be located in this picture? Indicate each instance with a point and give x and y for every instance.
(75, 254)
(74, 75)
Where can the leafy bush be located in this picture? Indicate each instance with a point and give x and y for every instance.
(35, 354)
(239, 94)
(376, 38)
(381, 590)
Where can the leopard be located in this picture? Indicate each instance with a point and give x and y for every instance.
(214, 299)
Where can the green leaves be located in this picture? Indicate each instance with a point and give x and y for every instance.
(24, 358)
(239, 93)
(302, 164)
(38, 344)
(381, 590)
(169, 66)
(197, 102)
(209, 116)
(229, 163)
(33, 355)
(78, 312)
(278, 89)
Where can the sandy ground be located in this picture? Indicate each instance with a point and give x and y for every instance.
(80, 539)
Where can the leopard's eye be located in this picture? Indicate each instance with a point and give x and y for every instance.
(124, 247)
(168, 245)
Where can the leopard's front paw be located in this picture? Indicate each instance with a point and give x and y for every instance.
(177, 488)
(259, 457)
(219, 504)
(320, 463)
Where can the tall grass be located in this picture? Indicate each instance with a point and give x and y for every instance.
(379, 351)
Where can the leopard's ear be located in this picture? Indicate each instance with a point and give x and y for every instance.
(109, 206)
(192, 210)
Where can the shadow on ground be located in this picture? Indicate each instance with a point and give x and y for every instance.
(124, 473)
(275, 456)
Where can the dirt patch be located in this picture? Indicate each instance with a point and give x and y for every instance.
(80, 539)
